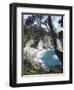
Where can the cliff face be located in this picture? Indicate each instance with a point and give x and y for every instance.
(35, 36)
(36, 39)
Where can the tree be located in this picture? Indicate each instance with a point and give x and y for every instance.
(30, 20)
(50, 23)
(58, 53)
(38, 19)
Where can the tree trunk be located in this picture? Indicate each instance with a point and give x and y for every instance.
(51, 25)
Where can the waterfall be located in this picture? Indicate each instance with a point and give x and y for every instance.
(40, 45)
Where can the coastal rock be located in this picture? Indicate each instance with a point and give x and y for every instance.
(30, 55)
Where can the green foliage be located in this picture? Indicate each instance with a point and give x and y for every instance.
(30, 70)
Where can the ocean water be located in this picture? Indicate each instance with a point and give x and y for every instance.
(48, 58)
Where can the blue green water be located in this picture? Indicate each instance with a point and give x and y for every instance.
(50, 59)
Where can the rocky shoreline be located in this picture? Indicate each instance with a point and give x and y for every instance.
(32, 64)
(30, 70)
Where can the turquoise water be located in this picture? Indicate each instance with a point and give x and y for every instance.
(50, 59)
